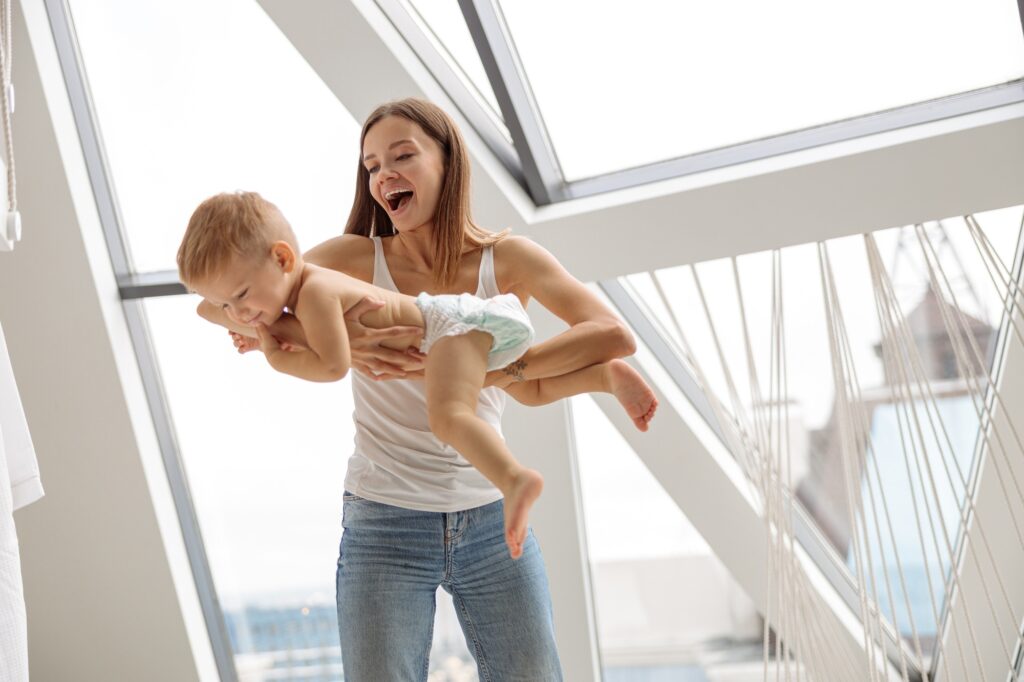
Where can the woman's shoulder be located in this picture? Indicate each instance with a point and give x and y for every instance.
(518, 261)
(349, 253)
(516, 246)
(520, 253)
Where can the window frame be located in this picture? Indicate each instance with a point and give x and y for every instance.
(134, 286)
(539, 168)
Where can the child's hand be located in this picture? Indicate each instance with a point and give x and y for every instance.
(268, 343)
(244, 344)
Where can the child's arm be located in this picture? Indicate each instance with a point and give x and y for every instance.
(216, 315)
(328, 357)
(286, 330)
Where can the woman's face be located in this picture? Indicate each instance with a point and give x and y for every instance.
(406, 168)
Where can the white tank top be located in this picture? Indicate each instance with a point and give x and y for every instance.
(397, 459)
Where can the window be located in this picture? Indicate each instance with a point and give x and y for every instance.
(666, 608)
(817, 472)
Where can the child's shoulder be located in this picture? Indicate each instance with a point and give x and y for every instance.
(320, 280)
(321, 286)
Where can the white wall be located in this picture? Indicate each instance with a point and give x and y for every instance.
(101, 601)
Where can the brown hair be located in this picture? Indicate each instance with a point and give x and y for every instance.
(454, 228)
(226, 226)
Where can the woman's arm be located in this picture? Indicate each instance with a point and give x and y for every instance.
(595, 333)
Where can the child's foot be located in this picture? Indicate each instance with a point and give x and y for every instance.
(520, 497)
(633, 392)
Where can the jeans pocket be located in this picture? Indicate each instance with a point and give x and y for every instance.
(349, 497)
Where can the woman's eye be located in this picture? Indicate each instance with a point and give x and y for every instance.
(372, 169)
(403, 157)
(243, 294)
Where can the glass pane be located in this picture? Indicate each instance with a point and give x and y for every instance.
(265, 457)
(666, 607)
(203, 96)
(817, 468)
(649, 80)
(442, 21)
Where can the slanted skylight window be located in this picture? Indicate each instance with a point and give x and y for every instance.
(621, 85)
(189, 108)
(444, 23)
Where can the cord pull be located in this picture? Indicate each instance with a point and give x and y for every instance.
(11, 231)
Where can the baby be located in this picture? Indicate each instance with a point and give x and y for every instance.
(240, 254)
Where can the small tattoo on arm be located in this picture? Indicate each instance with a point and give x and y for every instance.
(516, 369)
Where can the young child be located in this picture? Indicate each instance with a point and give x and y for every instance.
(239, 253)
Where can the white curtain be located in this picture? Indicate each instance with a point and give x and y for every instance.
(19, 485)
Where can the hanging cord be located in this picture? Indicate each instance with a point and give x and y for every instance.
(958, 330)
(897, 397)
(912, 375)
(7, 102)
(837, 336)
(790, 591)
(997, 269)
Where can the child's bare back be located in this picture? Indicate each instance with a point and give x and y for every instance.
(399, 310)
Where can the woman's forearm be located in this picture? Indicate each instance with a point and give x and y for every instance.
(582, 345)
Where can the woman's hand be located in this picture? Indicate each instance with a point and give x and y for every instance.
(374, 360)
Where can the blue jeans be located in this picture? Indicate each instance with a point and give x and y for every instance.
(390, 564)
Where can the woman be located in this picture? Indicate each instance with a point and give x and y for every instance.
(416, 514)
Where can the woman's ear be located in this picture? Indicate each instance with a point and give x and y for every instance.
(283, 255)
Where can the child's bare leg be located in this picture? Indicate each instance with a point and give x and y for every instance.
(455, 371)
(615, 377)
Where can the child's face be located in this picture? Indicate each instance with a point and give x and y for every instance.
(251, 291)
(406, 168)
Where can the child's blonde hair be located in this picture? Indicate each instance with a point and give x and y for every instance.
(226, 226)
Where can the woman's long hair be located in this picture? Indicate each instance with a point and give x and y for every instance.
(454, 228)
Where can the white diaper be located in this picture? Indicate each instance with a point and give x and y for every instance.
(503, 317)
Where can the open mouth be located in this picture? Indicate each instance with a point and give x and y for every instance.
(398, 198)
